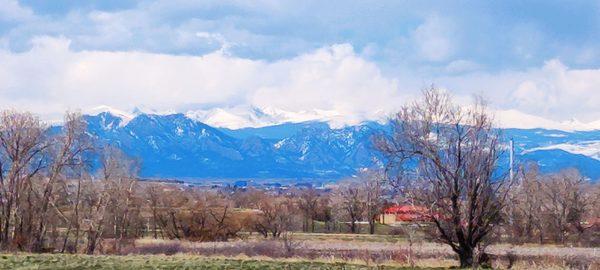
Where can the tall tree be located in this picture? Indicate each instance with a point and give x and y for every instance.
(454, 152)
(373, 188)
(119, 173)
(276, 216)
(349, 200)
(308, 202)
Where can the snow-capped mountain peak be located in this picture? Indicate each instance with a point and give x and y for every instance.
(256, 117)
(124, 116)
(176, 145)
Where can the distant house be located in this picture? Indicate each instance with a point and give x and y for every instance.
(403, 214)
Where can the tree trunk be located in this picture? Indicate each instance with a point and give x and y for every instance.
(91, 245)
(155, 228)
(465, 255)
(305, 224)
(66, 239)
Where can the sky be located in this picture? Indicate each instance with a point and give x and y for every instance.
(356, 60)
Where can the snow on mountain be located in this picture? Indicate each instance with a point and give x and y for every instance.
(587, 148)
(256, 117)
(554, 150)
(302, 116)
(124, 116)
(234, 118)
(517, 119)
(178, 145)
(245, 117)
(253, 117)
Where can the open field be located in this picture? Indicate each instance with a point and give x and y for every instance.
(56, 261)
(370, 250)
(247, 255)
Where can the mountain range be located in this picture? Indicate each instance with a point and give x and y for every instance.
(180, 146)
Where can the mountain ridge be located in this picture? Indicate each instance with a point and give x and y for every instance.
(177, 146)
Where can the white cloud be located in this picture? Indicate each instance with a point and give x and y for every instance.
(332, 78)
(11, 10)
(216, 38)
(51, 78)
(553, 91)
(333, 83)
(434, 39)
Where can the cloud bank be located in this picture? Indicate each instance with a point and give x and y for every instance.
(234, 63)
(334, 81)
(51, 77)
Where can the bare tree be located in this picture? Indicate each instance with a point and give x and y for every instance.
(51, 201)
(119, 173)
(349, 199)
(565, 203)
(73, 198)
(373, 188)
(67, 152)
(276, 216)
(454, 153)
(524, 215)
(95, 199)
(153, 193)
(308, 202)
(324, 212)
(22, 147)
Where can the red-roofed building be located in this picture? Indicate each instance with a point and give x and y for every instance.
(592, 222)
(404, 213)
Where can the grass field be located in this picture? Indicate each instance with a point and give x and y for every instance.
(377, 250)
(304, 251)
(62, 261)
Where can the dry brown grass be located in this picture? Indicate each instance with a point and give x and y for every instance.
(424, 254)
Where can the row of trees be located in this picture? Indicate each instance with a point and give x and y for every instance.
(58, 192)
(557, 208)
(46, 187)
(32, 163)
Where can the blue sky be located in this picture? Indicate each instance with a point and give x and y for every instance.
(539, 58)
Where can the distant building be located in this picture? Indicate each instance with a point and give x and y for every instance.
(591, 223)
(304, 185)
(240, 184)
(404, 214)
(271, 186)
